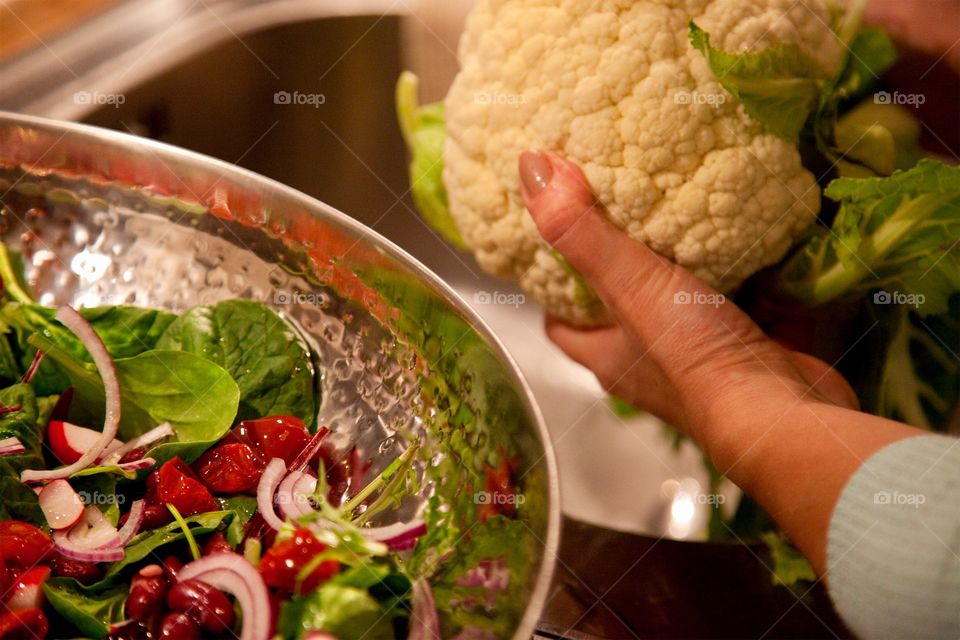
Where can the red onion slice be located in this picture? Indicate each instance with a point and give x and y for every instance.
(94, 531)
(11, 446)
(424, 622)
(85, 554)
(134, 520)
(294, 503)
(101, 358)
(93, 539)
(397, 536)
(136, 465)
(157, 433)
(232, 573)
(301, 461)
(34, 366)
(269, 482)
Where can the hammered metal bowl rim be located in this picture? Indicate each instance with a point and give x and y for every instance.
(318, 208)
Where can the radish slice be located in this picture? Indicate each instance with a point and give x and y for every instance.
(134, 520)
(232, 573)
(424, 622)
(108, 374)
(69, 441)
(61, 505)
(269, 482)
(293, 503)
(94, 531)
(397, 536)
(157, 433)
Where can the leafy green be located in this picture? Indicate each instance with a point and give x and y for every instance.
(789, 565)
(424, 131)
(243, 507)
(920, 379)
(90, 609)
(197, 397)
(877, 139)
(897, 233)
(264, 355)
(19, 502)
(23, 424)
(187, 532)
(779, 86)
(126, 332)
(345, 612)
(100, 490)
(872, 138)
(105, 470)
(147, 542)
(11, 271)
(10, 370)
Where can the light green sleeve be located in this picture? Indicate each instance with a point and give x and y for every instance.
(893, 552)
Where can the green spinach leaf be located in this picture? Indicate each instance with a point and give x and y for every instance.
(145, 543)
(345, 612)
(19, 501)
(126, 332)
(198, 398)
(267, 358)
(243, 507)
(23, 424)
(90, 609)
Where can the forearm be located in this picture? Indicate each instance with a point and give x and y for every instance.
(795, 459)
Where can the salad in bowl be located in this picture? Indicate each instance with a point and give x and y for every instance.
(245, 418)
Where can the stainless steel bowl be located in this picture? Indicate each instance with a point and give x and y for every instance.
(106, 218)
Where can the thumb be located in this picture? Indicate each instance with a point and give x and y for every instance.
(626, 274)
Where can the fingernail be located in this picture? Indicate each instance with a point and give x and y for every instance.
(535, 171)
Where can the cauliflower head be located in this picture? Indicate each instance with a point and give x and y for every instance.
(617, 87)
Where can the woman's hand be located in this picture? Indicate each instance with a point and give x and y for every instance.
(678, 349)
(781, 424)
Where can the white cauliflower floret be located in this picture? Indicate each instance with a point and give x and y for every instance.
(616, 87)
